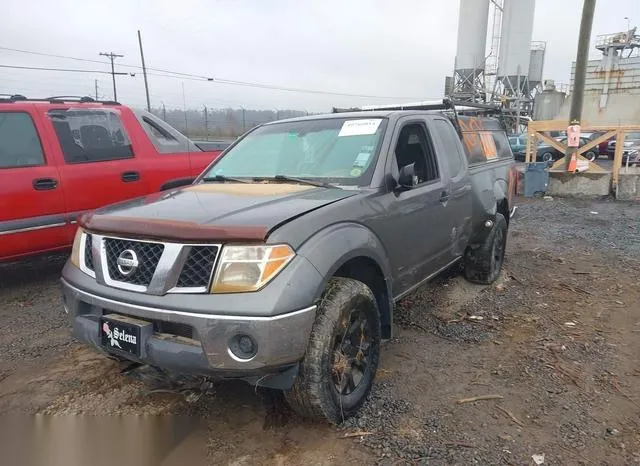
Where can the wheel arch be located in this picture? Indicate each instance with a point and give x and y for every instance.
(351, 250)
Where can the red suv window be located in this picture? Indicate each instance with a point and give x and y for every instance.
(19, 141)
(91, 135)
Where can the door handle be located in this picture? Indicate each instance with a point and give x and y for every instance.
(130, 176)
(45, 184)
(444, 197)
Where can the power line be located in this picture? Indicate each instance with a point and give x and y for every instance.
(38, 68)
(195, 77)
(112, 56)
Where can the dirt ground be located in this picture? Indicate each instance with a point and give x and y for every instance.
(550, 353)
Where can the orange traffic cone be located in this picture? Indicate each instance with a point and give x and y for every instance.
(573, 163)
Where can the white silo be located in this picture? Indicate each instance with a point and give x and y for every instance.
(536, 64)
(470, 54)
(515, 43)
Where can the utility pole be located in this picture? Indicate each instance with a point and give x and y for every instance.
(164, 112)
(244, 127)
(206, 122)
(144, 72)
(95, 82)
(112, 56)
(577, 97)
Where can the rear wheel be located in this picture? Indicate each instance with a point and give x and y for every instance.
(341, 360)
(482, 263)
(547, 157)
(591, 156)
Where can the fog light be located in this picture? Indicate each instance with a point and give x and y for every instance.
(488, 223)
(242, 347)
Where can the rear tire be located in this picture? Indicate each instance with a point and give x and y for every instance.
(591, 156)
(341, 360)
(547, 157)
(482, 263)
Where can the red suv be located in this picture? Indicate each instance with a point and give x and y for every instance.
(61, 157)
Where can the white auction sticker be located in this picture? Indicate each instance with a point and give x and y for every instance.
(359, 127)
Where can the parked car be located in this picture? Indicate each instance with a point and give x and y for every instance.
(544, 152)
(631, 154)
(62, 157)
(281, 264)
(630, 140)
(591, 155)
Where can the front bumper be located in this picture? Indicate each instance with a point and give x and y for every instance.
(281, 339)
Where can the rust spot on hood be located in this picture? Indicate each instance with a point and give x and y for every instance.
(249, 189)
(168, 230)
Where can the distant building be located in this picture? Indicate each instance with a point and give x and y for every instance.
(612, 85)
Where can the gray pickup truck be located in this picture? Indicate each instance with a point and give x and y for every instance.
(281, 263)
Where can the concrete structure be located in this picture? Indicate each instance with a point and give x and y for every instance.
(470, 56)
(628, 188)
(579, 185)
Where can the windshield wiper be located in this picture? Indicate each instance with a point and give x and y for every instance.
(222, 178)
(293, 179)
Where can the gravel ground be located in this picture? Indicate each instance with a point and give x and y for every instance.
(552, 347)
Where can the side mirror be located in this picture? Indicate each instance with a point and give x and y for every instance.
(407, 177)
(177, 183)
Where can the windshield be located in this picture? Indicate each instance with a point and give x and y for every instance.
(337, 150)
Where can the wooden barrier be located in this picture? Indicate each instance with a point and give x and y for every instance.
(537, 129)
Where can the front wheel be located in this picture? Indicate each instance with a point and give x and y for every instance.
(341, 360)
(482, 263)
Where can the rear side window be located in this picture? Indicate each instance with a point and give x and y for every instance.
(501, 142)
(452, 149)
(165, 138)
(19, 142)
(91, 135)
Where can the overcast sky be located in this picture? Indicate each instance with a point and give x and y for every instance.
(400, 49)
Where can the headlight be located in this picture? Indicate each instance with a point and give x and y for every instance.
(75, 252)
(249, 268)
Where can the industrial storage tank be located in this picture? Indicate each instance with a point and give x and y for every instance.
(536, 63)
(515, 43)
(547, 104)
(472, 37)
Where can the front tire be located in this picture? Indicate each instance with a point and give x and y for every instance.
(482, 263)
(591, 156)
(341, 360)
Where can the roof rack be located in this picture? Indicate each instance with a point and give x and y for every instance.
(8, 98)
(69, 98)
(444, 104)
(453, 109)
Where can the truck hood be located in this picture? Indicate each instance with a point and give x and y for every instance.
(213, 211)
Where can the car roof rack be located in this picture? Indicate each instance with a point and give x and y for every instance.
(58, 99)
(444, 104)
(69, 98)
(454, 109)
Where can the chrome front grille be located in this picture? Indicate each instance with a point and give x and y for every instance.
(147, 256)
(147, 266)
(198, 267)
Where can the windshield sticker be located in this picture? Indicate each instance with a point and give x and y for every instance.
(359, 127)
(362, 159)
(356, 172)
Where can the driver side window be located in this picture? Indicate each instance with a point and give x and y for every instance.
(413, 147)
